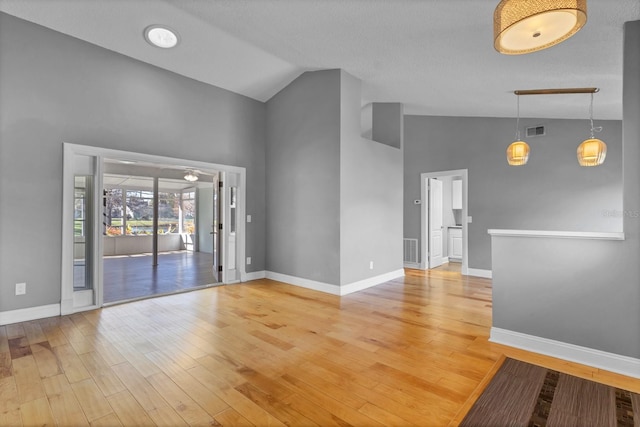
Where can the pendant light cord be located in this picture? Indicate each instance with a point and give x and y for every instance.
(518, 118)
(591, 116)
(593, 128)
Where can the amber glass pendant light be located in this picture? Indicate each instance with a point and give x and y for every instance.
(518, 151)
(592, 151)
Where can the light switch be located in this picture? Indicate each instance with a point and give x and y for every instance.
(248, 218)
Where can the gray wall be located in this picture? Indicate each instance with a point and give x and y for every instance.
(334, 198)
(387, 123)
(582, 292)
(55, 89)
(370, 190)
(303, 178)
(551, 192)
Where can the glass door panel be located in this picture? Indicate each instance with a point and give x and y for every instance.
(82, 233)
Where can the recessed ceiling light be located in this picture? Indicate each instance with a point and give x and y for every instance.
(161, 36)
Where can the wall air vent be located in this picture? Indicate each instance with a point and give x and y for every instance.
(535, 131)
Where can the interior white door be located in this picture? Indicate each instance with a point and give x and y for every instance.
(435, 223)
(230, 202)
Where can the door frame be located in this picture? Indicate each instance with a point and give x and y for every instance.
(71, 152)
(424, 226)
(431, 233)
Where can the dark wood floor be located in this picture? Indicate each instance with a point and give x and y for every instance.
(132, 276)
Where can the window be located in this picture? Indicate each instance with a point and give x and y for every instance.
(80, 203)
(188, 212)
(168, 212)
(139, 212)
(114, 212)
(129, 211)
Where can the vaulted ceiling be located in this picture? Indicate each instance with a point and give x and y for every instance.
(435, 56)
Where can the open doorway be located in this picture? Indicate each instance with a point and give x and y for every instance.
(186, 246)
(142, 210)
(444, 220)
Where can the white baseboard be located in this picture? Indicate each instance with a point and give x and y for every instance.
(487, 274)
(612, 362)
(335, 289)
(27, 314)
(445, 259)
(415, 265)
(304, 283)
(370, 282)
(82, 298)
(254, 275)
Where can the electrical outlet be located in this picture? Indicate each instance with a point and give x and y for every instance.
(370, 265)
(248, 260)
(21, 288)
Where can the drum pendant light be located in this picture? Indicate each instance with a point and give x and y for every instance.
(518, 151)
(525, 26)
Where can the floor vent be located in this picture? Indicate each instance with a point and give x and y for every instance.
(411, 250)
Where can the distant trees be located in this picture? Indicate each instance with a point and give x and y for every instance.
(135, 208)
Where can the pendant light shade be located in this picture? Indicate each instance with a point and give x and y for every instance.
(518, 153)
(525, 26)
(592, 152)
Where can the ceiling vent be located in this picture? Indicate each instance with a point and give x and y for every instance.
(535, 131)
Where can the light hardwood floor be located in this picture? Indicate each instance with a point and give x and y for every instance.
(412, 351)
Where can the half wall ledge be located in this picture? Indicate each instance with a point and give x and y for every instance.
(588, 235)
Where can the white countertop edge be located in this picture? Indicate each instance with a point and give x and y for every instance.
(591, 235)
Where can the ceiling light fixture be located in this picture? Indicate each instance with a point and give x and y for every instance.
(191, 176)
(518, 151)
(161, 36)
(525, 26)
(592, 151)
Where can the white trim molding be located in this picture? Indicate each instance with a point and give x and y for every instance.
(304, 283)
(27, 314)
(612, 362)
(414, 265)
(335, 289)
(477, 272)
(370, 282)
(254, 275)
(588, 235)
(424, 207)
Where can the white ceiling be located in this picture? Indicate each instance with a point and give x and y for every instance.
(435, 56)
